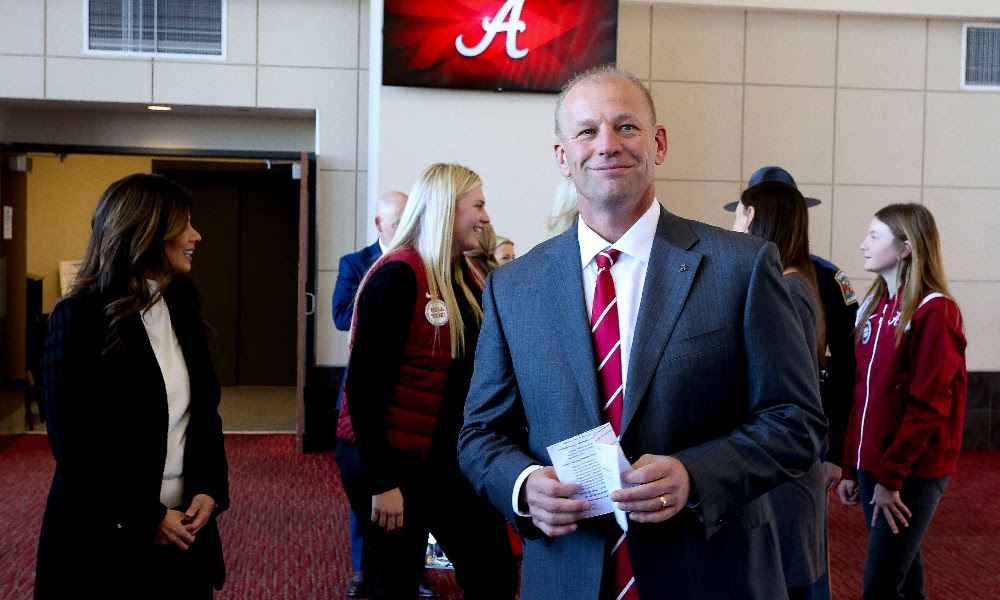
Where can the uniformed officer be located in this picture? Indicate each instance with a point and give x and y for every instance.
(840, 305)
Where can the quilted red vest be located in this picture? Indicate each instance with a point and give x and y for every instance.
(416, 394)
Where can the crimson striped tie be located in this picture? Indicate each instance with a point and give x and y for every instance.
(607, 344)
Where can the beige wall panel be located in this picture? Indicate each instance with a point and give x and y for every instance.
(333, 91)
(362, 123)
(820, 217)
(201, 83)
(100, 80)
(361, 218)
(22, 77)
(791, 127)
(879, 137)
(22, 28)
(64, 28)
(958, 8)
(241, 32)
(336, 194)
(332, 346)
(853, 209)
(944, 55)
(962, 134)
(786, 48)
(308, 33)
(364, 34)
(693, 44)
(703, 124)
(506, 138)
(633, 39)
(877, 52)
(978, 302)
(161, 130)
(968, 221)
(699, 200)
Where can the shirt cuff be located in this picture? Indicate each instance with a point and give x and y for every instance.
(518, 483)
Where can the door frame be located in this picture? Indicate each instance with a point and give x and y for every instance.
(307, 280)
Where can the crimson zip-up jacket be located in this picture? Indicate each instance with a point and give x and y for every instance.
(909, 399)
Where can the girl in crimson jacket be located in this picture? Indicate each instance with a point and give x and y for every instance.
(414, 336)
(905, 430)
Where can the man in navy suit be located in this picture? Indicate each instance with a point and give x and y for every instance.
(388, 210)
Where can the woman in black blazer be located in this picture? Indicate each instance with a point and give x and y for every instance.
(141, 470)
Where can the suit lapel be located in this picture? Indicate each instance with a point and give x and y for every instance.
(567, 302)
(671, 271)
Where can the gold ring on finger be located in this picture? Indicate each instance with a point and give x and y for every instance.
(663, 502)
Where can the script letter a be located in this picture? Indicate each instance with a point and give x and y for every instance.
(507, 20)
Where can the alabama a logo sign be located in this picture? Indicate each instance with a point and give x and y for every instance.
(534, 45)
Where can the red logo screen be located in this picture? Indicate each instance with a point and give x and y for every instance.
(527, 45)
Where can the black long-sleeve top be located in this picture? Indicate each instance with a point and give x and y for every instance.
(385, 314)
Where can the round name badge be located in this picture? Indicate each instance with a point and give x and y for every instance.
(436, 312)
(866, 332)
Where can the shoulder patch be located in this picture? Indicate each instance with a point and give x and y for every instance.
(846, 288)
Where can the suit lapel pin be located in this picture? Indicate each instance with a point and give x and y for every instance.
(684, 268)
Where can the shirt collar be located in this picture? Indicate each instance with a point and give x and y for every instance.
(381, 245)
(637, 241)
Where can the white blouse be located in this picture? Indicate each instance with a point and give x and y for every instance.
(167, 349)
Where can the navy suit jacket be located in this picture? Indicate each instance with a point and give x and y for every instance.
(353, 267)
(721, 377)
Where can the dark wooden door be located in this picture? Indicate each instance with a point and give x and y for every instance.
(246, 265)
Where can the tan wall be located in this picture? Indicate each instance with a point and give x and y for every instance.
(61, 200)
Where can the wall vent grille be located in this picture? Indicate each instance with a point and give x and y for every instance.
(981, 56)
(186, 28)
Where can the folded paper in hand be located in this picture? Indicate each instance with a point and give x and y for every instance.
(593, 460)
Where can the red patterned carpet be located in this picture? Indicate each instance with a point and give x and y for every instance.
(286, 533)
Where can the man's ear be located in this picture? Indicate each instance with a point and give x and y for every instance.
(378, 224)
(561, 159)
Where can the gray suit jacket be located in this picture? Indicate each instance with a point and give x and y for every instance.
(720, 377)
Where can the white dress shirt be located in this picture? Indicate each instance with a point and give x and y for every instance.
(629, 275)
(166, 347)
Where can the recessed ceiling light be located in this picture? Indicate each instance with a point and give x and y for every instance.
(158, 107)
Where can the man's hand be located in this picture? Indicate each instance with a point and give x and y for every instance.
(387, 509)
(172, 531)
(549, 504)
(832, 472)
(888, 502)
(662, 490)
(848, 492)
(196, 516)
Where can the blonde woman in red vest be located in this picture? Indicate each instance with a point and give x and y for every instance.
(413, 341)
(905, 430)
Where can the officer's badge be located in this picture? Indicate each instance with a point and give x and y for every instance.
(846, 288)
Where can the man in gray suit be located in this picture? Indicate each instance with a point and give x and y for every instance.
(720, 397)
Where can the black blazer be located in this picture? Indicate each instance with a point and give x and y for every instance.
(108, 431)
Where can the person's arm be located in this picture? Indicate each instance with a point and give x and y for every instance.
(491, 445)
(841, 365)
(348, 280)
(385, 313)
(937, 353)
(781, 435)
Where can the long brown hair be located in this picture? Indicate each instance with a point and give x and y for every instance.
(920, 273)
(781, 216)
(131, 222)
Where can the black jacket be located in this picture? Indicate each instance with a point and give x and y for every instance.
(108, 432)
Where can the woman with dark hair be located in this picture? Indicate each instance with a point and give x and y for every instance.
(777, 212)
(413, 341)
(905, 431)
(132, 395)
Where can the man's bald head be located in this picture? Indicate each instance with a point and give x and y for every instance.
(598, 75)
(388, 210)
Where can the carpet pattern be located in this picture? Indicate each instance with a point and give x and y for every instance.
(286, 534)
